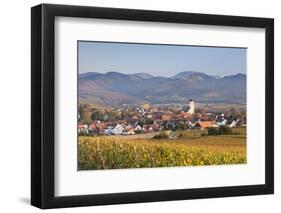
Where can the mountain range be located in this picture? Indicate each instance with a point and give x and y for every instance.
(114, 88)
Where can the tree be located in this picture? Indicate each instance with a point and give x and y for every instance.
(125, 114)
(181, 126)
(213, 131)
(138, 131)
(199, 111)
(243, 112)
(97, 115)
(148, 121)
(141, 122)
(81, 108)
(113, 116)
(86, 117)
(233, 111)
(225, 130)
(161, 135)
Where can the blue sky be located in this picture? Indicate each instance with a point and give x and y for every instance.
(159, 60)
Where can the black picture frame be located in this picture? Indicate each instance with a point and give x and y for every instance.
(43, 110)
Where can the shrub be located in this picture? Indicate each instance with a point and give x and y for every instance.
(83, 134)
(161, 135)
(222, 130)
(203, 134)
(213, 131)
(138, 131)
(180, 135)
(183, 134)
(225, 130)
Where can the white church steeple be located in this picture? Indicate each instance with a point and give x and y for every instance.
(191, 107)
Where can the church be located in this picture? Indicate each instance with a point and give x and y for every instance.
(189, 109)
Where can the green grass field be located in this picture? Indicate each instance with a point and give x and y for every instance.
(192, 149)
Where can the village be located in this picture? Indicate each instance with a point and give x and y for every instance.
(147, 119)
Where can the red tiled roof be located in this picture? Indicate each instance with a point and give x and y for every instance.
(205, 124)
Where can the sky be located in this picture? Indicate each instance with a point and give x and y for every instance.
(159, 60)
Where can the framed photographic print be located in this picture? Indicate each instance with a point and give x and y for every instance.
(139, 106)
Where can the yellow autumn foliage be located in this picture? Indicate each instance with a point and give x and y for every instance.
(116, 153)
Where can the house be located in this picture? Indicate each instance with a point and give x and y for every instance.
(135, 117)
(244, 122)
(93, 127)
(220, 120)
(109, 131)
(157, 115)
(166, 117)
(195, 119)
(233, 123)
(129, 131)
(83, 128)
(118, 129)
(156, 126)
(149, 115)
(189, 124)
(205, 124)
(154, 109)
(101, 126)
(148, 128)
(170, 125)
(140, 110)
(97, 127)
(127, 128)
(138, 128)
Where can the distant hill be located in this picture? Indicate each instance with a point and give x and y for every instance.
(191, 74)
(115, 88)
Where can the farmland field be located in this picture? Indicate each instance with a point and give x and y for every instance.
(192, 148)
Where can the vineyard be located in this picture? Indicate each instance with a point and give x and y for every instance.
(117, 152)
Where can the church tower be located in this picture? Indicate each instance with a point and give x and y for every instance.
(191, 107)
